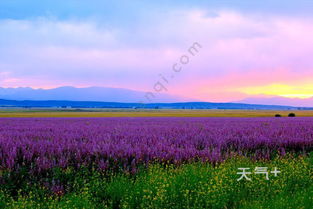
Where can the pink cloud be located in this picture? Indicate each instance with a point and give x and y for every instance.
(239, 50)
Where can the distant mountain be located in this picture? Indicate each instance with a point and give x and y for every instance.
(100, 97)
(100, 94)
(184, 105)
(279, 101)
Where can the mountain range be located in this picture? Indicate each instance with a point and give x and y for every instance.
(100, 94)
(276, 100)
(119, 97)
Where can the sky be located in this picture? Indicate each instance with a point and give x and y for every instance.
(214, 50)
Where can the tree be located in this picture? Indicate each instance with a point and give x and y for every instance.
(292, 115)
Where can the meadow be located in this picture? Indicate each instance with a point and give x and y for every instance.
(155, 162)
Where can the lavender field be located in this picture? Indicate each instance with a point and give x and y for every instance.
(107, 143)
(45, 147)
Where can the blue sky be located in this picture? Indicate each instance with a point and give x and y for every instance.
(121, 10)
(249, 48)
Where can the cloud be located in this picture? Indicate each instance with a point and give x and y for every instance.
(239, 51)
(52, 32)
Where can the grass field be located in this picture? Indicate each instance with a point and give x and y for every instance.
(196, 185)
(147, 113)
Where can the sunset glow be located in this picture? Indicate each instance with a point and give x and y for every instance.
(246, 51)
(300, 91)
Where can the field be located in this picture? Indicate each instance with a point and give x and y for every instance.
(155, 162)
(147, 113)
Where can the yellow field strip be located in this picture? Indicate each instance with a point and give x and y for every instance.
(160, 113)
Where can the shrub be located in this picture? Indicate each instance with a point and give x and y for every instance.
(278, 115)
(292, 115)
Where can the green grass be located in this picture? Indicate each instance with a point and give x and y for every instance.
(193, 185)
